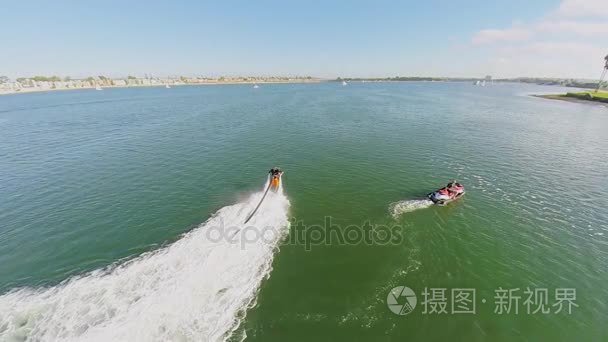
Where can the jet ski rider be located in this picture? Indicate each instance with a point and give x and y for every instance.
(453, 187)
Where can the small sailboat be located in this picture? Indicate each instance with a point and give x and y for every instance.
(97, 87)
(344, 83)
(255, 86)
(167, 86)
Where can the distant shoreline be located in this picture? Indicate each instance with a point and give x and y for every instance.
(28, 90)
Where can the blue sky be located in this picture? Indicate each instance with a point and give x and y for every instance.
(319, 38)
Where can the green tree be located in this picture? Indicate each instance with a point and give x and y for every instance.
(599, 84)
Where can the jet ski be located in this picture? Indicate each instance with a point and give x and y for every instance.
(447, 194)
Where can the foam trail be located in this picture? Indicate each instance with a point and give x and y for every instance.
(196, 289)
(401, 207)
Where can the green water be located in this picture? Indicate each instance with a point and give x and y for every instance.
(89, 178)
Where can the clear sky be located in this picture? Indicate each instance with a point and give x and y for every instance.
(560, 38)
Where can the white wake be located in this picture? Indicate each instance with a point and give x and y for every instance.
(398, 208)
(196, 289)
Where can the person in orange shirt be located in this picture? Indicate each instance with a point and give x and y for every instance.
(275, 174)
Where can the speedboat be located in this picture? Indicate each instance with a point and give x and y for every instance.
(446, 195)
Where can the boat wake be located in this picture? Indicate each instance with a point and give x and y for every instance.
(196, 289)
(398, 208)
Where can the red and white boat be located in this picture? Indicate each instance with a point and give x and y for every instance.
(447, 194)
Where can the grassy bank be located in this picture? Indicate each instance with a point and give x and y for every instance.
(600, 96)
(591, 96)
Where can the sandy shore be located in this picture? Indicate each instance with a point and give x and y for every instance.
(571, 99)
(38, 90)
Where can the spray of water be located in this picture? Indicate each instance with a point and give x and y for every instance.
(398, 208)
(196, 289)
